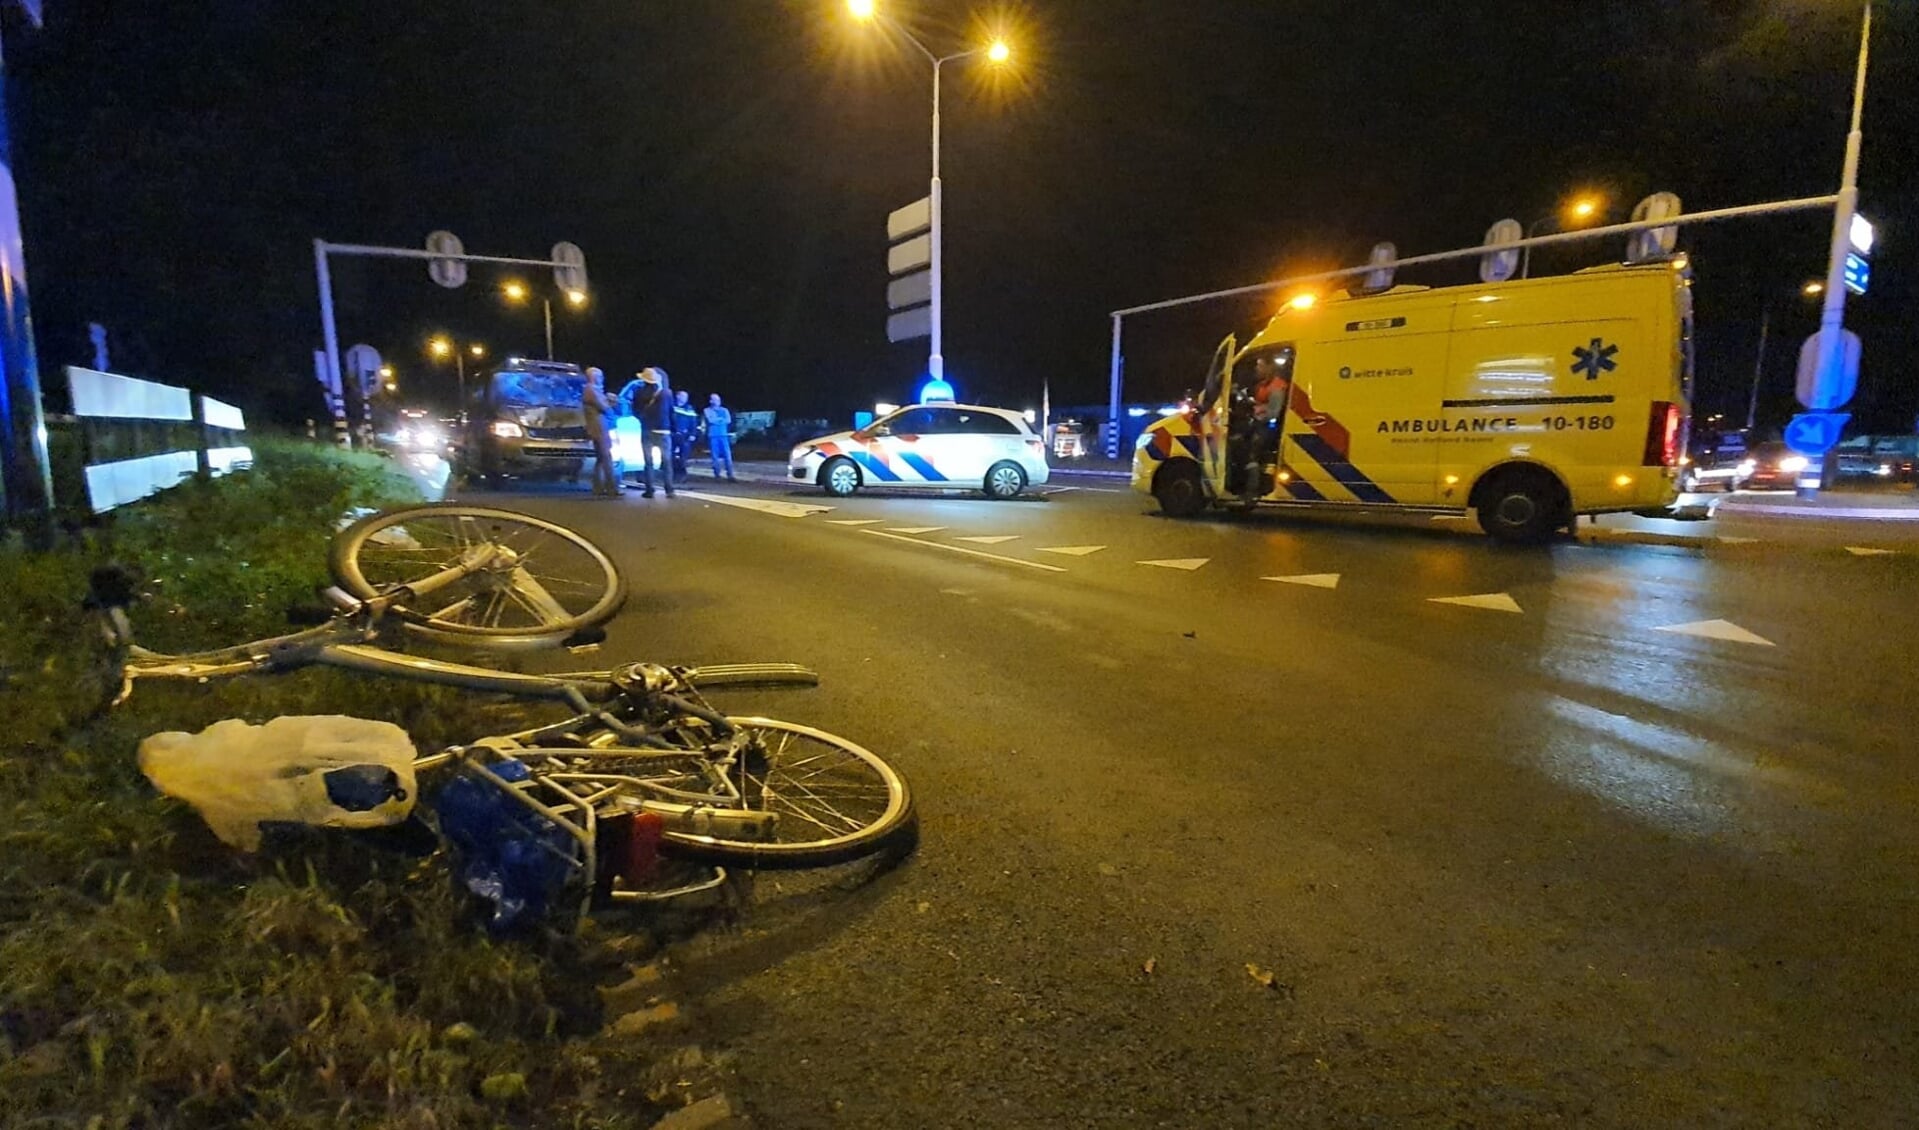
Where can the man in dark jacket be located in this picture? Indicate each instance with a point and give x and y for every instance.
(648, 399)
(686, 432)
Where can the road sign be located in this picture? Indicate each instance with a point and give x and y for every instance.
(1858, 272)
(914, 253)
(910, 324)
(1861, 234)
(1379, 279)
(1819, 391)
(910, 220)
(449, 273)
(569, 267)
(363, 364)
(1655, 243)
(910, 290)
(1814, 433)
(1497, 266)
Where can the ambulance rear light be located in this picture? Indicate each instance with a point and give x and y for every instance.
(1663, 432)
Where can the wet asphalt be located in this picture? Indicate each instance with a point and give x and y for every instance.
(1205, 848)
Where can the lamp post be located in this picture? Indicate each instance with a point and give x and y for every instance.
(440, 347)
(1581, 210)
(997, 52)
(517, 292)
(1811, 290)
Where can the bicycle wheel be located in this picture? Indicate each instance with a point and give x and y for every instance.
(526, 579)
(836, 802)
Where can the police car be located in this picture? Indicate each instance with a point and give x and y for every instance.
(928, 447)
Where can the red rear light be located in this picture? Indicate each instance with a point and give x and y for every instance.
(1665, 431)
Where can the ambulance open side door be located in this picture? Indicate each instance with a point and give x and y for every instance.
(1210, 417)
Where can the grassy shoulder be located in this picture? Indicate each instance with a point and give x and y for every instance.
(148, 975)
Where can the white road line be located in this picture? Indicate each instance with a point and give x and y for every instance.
(916, 529)
(1731, 540)
(1311, 580)
(854, 521)
(1490, 601)
(1868, 551)
(962, 549)
(998, 539)
(1717, 630)
(1187, 564)
(1071, 550)
(763, 505)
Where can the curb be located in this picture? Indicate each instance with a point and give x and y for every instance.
(1844, 513)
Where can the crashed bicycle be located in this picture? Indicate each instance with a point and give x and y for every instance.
(577, 813)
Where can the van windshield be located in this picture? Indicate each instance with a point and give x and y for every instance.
(538, 390)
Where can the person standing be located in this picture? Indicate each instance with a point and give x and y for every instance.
(600, 410)
(719, 437)
(686, 432)
(648, 400)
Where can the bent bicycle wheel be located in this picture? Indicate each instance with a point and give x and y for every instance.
(480, 576)
(836, 802)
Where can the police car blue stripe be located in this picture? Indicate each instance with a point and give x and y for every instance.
(919, 463)
(874, 467)
(1336, 465)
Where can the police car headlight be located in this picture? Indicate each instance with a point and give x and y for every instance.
(506, 429)
(1792, 463)
(1748, 467)
(799, 453)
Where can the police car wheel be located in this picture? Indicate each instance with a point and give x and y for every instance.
(1005, 480)
(1522, 506)
(840, 477)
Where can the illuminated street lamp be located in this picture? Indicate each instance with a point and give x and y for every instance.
(1578, 212)
(997, 52)
(516, 292)
(440, 347)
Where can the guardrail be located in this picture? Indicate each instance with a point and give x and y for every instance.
(142, 436)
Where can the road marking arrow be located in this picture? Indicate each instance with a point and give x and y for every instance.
(998, 540)
(1072, 550)
(1490, 601)
(1311, 580)
(1717, 630)
(1186, 563)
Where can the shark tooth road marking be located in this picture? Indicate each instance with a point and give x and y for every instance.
(1489, 601)
(1310, 580)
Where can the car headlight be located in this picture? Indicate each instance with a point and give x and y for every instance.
(799, 453)
(1793, 463)
(1884, 469)
(1748, 467)
(507, 429)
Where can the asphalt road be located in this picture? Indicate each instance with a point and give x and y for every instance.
(1532, 859)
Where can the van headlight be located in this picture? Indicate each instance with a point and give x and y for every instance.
(507, 429)
(1793, 464)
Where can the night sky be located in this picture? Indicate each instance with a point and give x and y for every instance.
(727, 166)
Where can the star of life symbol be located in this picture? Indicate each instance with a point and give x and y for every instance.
(1595, 359)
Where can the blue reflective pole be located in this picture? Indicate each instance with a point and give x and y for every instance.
(23, 438)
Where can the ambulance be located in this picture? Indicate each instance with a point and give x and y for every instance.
(1526, 402)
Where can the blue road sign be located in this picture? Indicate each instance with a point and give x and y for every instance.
(1858, 272)
(1814, 433)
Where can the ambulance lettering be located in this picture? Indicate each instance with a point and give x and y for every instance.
(1446, 427)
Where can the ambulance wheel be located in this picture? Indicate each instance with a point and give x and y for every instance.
(1178, 491)
(840, 476)
(1521, 506)
(1005, 480)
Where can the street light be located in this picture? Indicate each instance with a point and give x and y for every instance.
(1812, 289)
(997, 52)
(1579, 211)
(516, 292)
(440, 347)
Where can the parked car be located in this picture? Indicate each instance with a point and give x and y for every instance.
(928, 447)
(1878, 459)
(1770, 466)
(1712, 461)
(524, 420)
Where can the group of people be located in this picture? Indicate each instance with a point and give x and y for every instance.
(669, 427)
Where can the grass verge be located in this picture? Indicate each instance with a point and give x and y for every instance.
(151, 977)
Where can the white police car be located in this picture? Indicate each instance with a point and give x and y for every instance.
(928, 447)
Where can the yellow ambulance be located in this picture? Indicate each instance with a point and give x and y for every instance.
(1528, 402)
